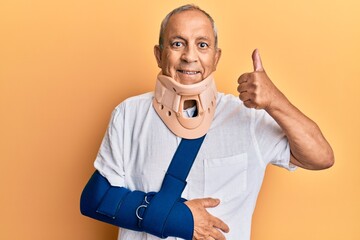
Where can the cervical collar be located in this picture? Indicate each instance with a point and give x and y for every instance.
(169, 100)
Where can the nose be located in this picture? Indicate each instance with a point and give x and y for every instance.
(189, 54)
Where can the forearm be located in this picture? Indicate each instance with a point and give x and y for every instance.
(309, 148)
(133, 210)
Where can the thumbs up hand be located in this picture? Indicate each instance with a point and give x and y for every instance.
(256, 90)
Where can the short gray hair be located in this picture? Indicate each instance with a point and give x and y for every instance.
(184, 8)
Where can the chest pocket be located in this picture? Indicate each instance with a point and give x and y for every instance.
(226, 178)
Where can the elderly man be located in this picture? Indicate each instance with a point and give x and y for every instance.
(133, 186)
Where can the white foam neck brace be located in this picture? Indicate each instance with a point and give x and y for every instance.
(170, 97)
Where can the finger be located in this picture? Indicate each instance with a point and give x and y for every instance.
(209, 202)
(242, 88)
(250, 104)
(218, 223)
(243, 78)
(244, 96)
(216, 234)
(257, 61)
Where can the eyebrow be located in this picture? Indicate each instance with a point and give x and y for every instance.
(177, 37)
(203, 38)
(182, 38)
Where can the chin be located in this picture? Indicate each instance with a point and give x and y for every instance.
(188, 80)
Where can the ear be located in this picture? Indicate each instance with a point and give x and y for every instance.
(217, 57)
(157, 53)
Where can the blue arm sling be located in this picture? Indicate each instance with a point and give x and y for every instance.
(162, 214)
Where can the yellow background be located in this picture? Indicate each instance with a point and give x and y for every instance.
(64, 65)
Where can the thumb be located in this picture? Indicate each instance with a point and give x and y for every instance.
(257, 61)
(210, 202)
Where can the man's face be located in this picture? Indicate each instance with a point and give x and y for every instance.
(189, 54)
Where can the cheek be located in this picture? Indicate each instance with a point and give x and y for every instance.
(209, 63)
(171, 61)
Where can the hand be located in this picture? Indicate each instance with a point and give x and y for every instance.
(206, 226)
(256, 89)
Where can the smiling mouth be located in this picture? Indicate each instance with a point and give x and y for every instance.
(188, 72)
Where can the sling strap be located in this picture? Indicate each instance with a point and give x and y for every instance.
(184, 157)
(157, 207)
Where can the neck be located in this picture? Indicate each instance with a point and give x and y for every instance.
(189, 104)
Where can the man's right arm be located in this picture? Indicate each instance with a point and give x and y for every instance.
(123, 208)
(131, 209)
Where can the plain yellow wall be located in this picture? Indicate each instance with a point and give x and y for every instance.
(64, 65)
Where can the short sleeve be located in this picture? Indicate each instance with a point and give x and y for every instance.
(272, 142)
(109, 160)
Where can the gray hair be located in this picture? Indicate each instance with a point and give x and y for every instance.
(184, 8)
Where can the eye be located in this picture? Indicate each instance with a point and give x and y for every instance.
(177, 44)
(203, 45)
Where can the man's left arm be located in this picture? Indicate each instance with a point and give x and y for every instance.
(309, 149)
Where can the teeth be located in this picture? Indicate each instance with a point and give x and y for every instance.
(189, 72)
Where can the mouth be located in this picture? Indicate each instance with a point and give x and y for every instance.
(188, 72)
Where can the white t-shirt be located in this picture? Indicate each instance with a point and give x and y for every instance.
(138, 147)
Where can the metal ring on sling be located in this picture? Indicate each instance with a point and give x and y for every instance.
(137, 211)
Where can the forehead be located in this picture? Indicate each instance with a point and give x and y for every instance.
(187, 24)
